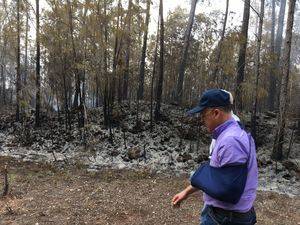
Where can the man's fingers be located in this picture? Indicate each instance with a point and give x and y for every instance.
(176, 203)
(174, 198)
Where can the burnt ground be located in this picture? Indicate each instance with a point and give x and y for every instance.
(43, 194)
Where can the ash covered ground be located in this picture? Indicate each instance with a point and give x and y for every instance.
(175, 146)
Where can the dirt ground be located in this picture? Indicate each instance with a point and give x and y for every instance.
(42, 194)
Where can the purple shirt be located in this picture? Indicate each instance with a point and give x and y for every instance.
(232, 146)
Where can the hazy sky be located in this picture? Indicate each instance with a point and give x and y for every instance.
(207, 6)
(203, 6)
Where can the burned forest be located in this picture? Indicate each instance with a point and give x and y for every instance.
(94, 98)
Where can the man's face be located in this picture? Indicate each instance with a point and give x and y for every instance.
(210, 118)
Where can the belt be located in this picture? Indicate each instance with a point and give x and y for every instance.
(230, 213)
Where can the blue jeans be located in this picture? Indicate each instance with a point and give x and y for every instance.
(210, 217)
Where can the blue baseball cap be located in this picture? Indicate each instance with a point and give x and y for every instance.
(212, 98)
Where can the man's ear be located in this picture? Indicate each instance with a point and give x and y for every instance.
(217, 112)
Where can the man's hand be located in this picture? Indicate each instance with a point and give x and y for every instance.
(178, 198)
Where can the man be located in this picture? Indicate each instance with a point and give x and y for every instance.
(232, 146)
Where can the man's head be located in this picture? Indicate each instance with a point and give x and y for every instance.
(214, 107)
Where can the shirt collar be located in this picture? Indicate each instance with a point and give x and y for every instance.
(219, 129)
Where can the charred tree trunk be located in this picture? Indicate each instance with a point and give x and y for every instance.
(109, 84)
(272, 84)
(2, 85)
(2, 88)
(298, 126)
(66, 95)
(105, 69)
(18, 78)
(140, 94)
(105, 105)
(160, 80)
(153, 76)
(77, 76)
(38, 84)
(278, 45)
(78, 94)
(242, 57)
(127, 54)
(257, 69)
(81, 119)
(116, 56)
(215, 72)
(283, 106)
(182, 65)
(66, 102)
(3, 78)
(25, 75)
(97, 91)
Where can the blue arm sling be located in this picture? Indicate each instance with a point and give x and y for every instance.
(225, 183)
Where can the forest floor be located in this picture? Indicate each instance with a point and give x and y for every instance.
(43, 194)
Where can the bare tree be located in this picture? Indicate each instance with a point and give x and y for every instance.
(182, 65)
(127, 54)
(74, 56)
(283, 104)
(153, 77)
(105, 65)
(38, 76)
(277, 62)
(116, 56)
(257, 68)
(66, 104)
(242, 56)
(25, 75)
(3, 78)
(140, 94)
(18, 78)
(81, 118)
(272, 84)
(3, 91)
(160, 80)
(215, 72)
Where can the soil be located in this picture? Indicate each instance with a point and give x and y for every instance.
(43, 194)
